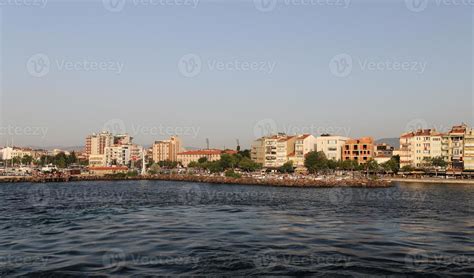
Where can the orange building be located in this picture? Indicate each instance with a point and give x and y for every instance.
(361, 150)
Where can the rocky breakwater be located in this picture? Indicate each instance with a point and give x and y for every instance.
(287, 182)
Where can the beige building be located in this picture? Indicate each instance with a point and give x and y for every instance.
(96, 143)
(97, 160)
(303, 145)
(331, 146)
(273, 151)
(469, 150)
(101, 171)
(415, 147)
(453, 146)
(167, 150)
(193, 156)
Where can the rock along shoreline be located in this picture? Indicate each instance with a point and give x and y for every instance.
(281, 182)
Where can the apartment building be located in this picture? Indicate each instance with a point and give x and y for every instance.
(453, 146)
(193, 156)
(167, 149)
(383, 152)
(417, 146)
(331, 146)
(118, 155)
(360, 150)
(96, 143)
(303, 145)
(273, 151)
(468, 152)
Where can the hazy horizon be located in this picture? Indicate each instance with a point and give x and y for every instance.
(233, 70)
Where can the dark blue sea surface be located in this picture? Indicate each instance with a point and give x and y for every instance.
(137, 228)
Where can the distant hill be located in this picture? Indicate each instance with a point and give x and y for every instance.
(394, 142)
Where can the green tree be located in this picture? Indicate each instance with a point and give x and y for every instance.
(228, 161)
(26, 160)
(232, 174)
(407, 168)
(287, 167)
(249, 165)
(202, 160)
(316, 161)
(214, 166)
(245, 153)
(193, 164)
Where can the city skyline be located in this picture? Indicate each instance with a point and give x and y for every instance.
(218, 71)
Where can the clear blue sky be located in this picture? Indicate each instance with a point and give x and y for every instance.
(301, 93)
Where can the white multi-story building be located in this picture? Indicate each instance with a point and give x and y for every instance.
(331, 146)
(118, 155)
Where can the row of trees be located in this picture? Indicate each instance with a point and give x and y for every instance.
(61, 160)
(227, 161)
(318, 162)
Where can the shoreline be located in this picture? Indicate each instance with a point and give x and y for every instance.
(432, 181)
(362, 182)
(281, 182)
